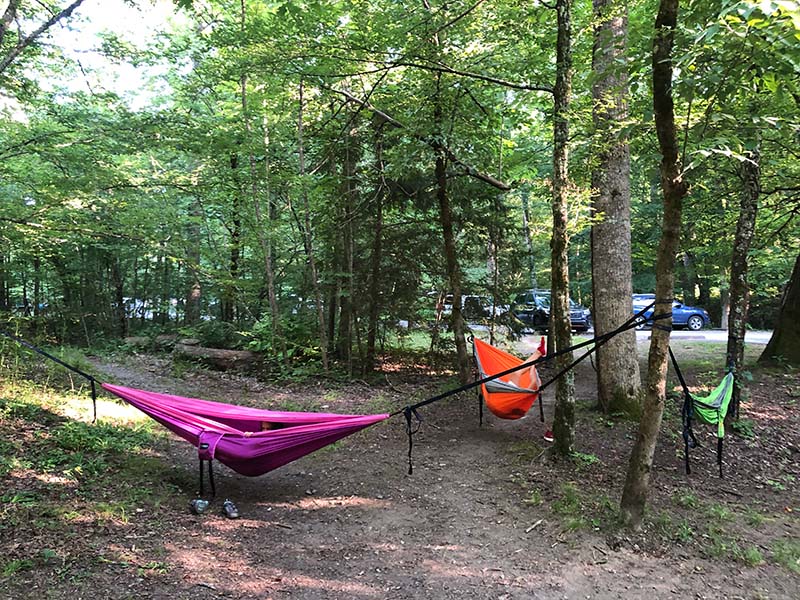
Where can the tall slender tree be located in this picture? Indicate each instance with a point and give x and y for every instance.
(673, 188)
(564, 417)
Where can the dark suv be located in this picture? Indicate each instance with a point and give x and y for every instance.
(532, 307)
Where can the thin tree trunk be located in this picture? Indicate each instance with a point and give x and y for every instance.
(37, 286)
(234, 247)
(119, 301)
(619, 387)
(785, 341)
(264, 240)
(526, 229)
(564, 417)
(377, 254)
(739, 290)
(344, 346)
(194, 289)
(450, 253)
(674, 189)
(307, 235)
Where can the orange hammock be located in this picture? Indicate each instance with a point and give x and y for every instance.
(510, 396)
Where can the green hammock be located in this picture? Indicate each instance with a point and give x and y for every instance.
(711, 410)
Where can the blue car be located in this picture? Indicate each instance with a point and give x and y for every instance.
(691, 317)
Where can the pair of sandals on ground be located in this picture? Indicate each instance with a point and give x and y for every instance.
(198, 506)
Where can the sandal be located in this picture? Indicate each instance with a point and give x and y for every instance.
(198, 506)
(229, 510)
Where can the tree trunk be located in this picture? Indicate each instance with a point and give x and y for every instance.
(344, 345)
(194, 290)
(564, 417)
(377, 255)
(308, 238)
(4, 300)
(229, 293)
(674, 189)
(689, 279)
(119, 301)
(785, 341)
(451, 256)
(738, 299)
(619, 387)
(526, 229)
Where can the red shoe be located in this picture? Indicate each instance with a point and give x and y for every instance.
(548, 436)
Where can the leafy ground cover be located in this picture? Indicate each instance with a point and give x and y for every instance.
(101, 509)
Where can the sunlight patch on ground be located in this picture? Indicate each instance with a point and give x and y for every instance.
(334, 502)
(28, 474)
(332, 585)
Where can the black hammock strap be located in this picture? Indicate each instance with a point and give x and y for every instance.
(595, 342)
(687, 412)
(72, 368)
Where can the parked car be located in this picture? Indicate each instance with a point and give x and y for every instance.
(691, 317)
(532, 307)
(473, 307)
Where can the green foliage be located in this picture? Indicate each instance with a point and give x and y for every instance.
(584, 461)
(787, 553)
(744, 428)
(686, 500)
(218, 334)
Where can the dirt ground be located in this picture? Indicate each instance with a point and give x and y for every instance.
(487, 513)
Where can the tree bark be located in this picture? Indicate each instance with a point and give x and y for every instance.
(450, 253)
(194, 289)
(344, 345)
(377, 254)
(674, 188)
(619, 387)
(308, 237)
(564, 417)
(234, 245)
(739, 294)
(785, 341)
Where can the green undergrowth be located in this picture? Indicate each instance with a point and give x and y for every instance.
(59, 473)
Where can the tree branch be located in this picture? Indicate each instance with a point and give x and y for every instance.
(27, 41)
(433, 143)
(488, 78)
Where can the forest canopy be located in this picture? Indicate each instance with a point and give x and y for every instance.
(275, 184)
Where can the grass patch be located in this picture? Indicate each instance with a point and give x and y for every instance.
(787, 554)
(686, 500)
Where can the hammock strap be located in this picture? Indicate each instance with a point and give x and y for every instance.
(408, 413)
(210, 478)
(541, 406)
(629, 324)
(55, 359)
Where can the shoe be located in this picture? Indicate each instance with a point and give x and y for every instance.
(198, 506)
(548, 436)
(229, 510)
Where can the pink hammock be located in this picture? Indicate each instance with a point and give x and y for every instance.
(250, 441)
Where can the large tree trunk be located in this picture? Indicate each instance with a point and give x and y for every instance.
(674, 189)
(738, 299)
(785, 340)
(619, 386)
(564, 417)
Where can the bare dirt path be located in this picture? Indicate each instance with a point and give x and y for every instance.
(486, 514)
